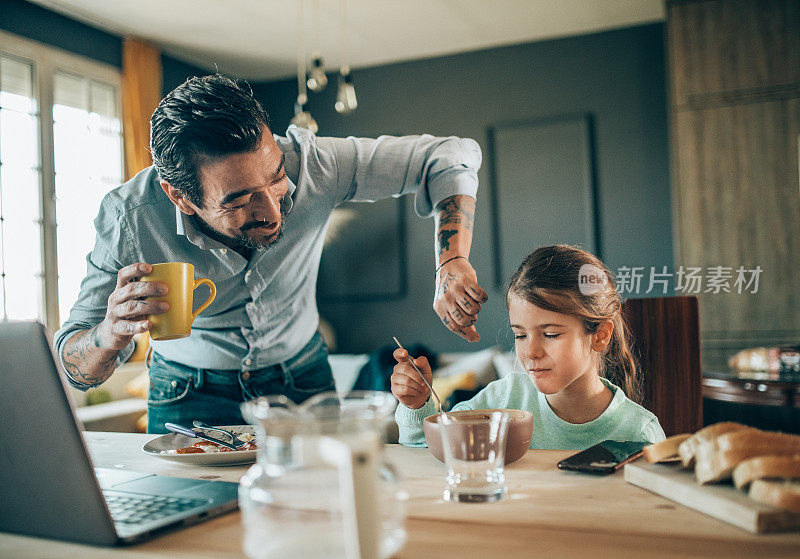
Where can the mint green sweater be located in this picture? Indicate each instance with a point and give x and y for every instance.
(622, 420)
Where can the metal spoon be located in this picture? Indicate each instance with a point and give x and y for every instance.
(411, 361)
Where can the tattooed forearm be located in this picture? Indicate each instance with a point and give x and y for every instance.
(458, 296)
(85, 361)
(454, 222)
(443, 239)
(457, 210)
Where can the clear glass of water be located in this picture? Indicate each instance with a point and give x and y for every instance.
(474, 453)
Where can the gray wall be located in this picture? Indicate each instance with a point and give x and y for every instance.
(614, 81)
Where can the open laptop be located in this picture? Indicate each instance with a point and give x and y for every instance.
(48, 487)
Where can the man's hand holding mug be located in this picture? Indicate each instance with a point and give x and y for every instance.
(155, 298)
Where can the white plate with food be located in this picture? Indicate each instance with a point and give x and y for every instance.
(191, 450)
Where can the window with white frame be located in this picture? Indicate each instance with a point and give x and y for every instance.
(60, 153)
(21, 293)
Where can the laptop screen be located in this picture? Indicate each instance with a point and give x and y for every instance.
(44, 468)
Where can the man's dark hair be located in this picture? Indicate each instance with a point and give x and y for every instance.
(203, 119)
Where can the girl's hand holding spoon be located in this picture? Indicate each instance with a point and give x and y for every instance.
(407, 386)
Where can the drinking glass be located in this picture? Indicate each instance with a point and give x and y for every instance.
(474, 453)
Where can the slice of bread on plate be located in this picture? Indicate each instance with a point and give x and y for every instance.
(666, 450)
(716, 459)
(766, 467)
(781, 494)
(688, 448)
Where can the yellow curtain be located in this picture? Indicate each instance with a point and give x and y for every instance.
(141, 92)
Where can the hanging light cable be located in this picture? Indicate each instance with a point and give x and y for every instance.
(346, 95)
(317, 80)
(302, 118)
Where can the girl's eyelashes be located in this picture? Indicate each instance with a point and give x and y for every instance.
(549, 336)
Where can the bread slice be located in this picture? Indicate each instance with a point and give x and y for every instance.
(666, 449)
(781, 494)
(716, 459)
(687, 449)
(766, 467)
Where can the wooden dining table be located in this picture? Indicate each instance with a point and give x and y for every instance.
(548, 513)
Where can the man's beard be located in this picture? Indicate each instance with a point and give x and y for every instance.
(242, 240)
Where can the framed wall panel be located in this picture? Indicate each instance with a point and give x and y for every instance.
(544, 188)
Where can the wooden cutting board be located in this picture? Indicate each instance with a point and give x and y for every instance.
(722, 501)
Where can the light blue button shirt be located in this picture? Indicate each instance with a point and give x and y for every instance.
(265, 310)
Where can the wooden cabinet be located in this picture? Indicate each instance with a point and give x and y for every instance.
(727, 49)
(738, 205)
(735, 121)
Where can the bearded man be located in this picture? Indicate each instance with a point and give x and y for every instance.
(249, 210)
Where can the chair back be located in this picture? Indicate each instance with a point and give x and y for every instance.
(665, 339)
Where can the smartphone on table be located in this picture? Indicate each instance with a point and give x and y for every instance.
(604, 458)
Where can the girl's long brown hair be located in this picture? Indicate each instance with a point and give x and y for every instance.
(549, 278)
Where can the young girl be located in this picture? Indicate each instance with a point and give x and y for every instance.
(572, 343)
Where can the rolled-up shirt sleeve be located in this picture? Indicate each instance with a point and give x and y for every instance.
(432, 168)
(102, 265)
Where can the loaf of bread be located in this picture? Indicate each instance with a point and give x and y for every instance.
(756, 359)
(688, 448)
(715, 459)
(767, 461)
(766, 467)
(665, 450)
(781, 494)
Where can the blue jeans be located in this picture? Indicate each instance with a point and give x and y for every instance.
(181, 394)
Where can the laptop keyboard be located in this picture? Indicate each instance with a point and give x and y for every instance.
(137, 509)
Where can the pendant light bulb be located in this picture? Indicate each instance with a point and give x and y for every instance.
(346, 95)
(302, 118)
(317, 80)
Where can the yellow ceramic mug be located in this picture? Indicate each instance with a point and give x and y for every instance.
(177, 321)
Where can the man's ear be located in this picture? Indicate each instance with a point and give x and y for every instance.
(178, 198)
(603, 336)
